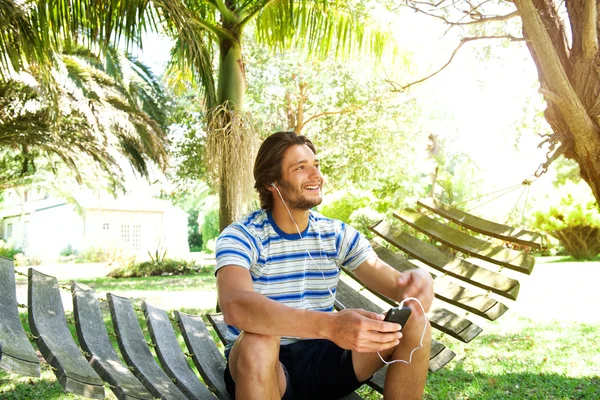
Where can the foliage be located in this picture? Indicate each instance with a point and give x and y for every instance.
(208, 220)
(194, 235)
(159, 267)
(187, 134)
(562, 39)
(575, 221)
(363, 218)
(198, 28)
(96, 255)
(6, 250)
(367, 139)
(342, 204)
(100, 111)
(68, 251)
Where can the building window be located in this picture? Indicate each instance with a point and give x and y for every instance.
(136, 237)
(8, 231)
(125, 233)
(105, 226)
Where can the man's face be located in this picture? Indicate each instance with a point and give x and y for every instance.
(301, 180)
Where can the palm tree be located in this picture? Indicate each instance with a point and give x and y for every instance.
(198, 27)
(103, 109)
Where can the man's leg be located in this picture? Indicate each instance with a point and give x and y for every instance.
(255, 367)
(403, 381)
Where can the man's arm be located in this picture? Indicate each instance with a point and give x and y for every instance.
(379, 276)
(252, 312)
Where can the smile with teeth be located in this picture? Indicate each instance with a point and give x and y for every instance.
(311, 187)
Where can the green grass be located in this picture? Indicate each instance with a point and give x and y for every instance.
(175, 283)
(526, 360)
(514, 358)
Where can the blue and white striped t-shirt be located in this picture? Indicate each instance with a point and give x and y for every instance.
(279, 263)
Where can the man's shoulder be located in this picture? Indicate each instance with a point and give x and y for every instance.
(253, 224)
(324, 222)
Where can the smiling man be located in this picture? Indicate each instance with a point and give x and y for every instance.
(277, 273)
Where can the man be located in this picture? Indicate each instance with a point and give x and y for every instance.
(277, 272)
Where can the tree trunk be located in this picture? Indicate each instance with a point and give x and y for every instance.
(231, 91)
(569, 79)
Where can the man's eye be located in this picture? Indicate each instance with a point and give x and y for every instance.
(300, 167)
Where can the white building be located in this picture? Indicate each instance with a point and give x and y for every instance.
(43, 226)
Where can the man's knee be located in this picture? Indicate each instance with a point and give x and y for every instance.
(419, 331)
(255, 353)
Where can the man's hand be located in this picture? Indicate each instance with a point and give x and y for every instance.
(416, 283)
(363, 331)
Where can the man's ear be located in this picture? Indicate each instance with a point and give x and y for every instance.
(270, 187)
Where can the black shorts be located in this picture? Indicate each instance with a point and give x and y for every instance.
(314, 369)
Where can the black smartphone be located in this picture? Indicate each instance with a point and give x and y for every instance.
(398, 315)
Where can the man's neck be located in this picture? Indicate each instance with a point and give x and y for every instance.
(285, 223)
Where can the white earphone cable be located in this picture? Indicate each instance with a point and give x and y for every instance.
(331, 293)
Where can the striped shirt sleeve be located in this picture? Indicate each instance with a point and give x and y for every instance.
(355, 248)
(234, 247)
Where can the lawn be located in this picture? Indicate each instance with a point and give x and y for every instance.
(546, 349)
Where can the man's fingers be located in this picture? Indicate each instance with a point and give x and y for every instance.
(376, 341)
(368, 314)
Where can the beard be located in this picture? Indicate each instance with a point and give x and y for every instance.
(294, 197)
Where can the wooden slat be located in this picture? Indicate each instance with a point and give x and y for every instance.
(467, 299)
(440, 318)
(218, 323)
(170, 354)
(447, 263)
(205, 354)
(446, 290)
(468, 244)
(18, 355)
(135, 350)
(94, 340)
(47, 321)
(484, 226)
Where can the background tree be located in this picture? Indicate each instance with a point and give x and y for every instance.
(562, 38)
(198, 26)
(102, 110)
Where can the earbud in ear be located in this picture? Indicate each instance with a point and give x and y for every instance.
(273, 184)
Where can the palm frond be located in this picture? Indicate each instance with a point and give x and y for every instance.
(321, 28)
(196, 59)
(100, 22)
(19, 41)
(193, 49)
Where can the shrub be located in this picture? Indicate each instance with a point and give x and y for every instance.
(363, 218)
(7, 250)
(165, 266)
(68, 251)
(575, 221)
(96, 254)
(343, 204)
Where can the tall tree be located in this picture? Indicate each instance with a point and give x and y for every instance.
(562, 38)
(320, 26)
(102, 109)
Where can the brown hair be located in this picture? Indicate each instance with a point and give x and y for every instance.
(267, 167)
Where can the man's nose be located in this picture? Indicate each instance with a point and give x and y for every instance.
(316, 173)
